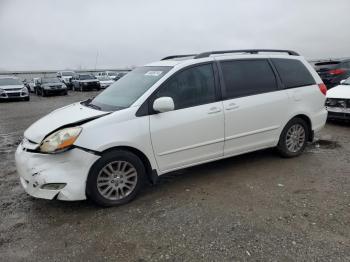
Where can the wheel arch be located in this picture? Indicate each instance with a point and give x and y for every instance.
(151, 173)
(308, 122)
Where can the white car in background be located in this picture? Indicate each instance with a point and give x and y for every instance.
(338, 101)
(105, 81)
(66, 77)
(110, 74)
(168, 115)
(13, 88)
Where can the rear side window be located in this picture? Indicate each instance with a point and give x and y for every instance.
(191, 87)
(248, 77)
(293, 73)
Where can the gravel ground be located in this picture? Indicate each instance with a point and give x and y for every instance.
(255, 207)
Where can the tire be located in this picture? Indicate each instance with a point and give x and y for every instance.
(43, 93)
(65, 93)
(293, 138)
(101, 177)
(27, 98)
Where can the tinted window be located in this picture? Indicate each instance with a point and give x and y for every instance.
(191, 87)
(248, 77)
(293, 73)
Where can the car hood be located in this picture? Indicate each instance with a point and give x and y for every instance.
(65, 116)
(12, 87)
(341, 91)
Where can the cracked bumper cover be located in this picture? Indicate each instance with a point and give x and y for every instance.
(71, 168)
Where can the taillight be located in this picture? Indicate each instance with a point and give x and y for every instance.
(336, 71)
(322, 88)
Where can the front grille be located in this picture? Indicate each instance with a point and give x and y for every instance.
(13, 89)
(336, 115)
(13, 94)
(55, 86)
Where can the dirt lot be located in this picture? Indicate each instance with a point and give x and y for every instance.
(255, 207)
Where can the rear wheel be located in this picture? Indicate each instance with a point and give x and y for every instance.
(115, 179)
(294, 137)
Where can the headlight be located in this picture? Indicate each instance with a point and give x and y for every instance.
(2, 91)
(60, 140)
(85, 84)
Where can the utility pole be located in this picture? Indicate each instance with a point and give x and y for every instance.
(96, 59)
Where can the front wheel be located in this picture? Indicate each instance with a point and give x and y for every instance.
(293, 138)
(115, 179)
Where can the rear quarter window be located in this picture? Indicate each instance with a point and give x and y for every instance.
(293, 73)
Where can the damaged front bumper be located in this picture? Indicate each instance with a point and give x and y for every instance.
(62, 176)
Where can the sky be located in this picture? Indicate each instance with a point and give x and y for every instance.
(86, 34)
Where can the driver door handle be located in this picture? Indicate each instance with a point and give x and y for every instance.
(214, 110)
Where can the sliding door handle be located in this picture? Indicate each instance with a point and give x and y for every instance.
(232, 106)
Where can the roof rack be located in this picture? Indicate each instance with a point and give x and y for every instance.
(249, 51)
(177, 56)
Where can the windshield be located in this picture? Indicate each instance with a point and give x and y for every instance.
(86, 77)
(127, 90)
(67, 73)
(9, 82)
(50, 80)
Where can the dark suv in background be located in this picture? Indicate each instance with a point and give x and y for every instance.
(333, 71)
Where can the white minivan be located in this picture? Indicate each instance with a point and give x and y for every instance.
(168, 115)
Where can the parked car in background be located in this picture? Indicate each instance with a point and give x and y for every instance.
(338, 101)
(66, 77)
(50, 86)
(13, 88)
(82, 82)
(111, 74)
(169, 115)
(29, 85)
(333, 71)
(120, 75)
(105, 81)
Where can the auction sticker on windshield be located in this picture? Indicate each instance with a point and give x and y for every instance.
(153, 73)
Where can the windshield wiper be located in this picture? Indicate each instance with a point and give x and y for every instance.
(88, 103)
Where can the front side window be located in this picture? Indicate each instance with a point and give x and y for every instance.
(190, 87)
(293, 73)
(248, 77)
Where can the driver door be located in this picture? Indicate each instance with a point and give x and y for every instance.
(194, 131)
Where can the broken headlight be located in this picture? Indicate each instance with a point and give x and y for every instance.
(60, 140)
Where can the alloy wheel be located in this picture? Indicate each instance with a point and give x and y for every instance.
(117, 180)
(295, 138)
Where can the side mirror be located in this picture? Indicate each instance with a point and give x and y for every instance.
(342, 81)
(163, 104)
